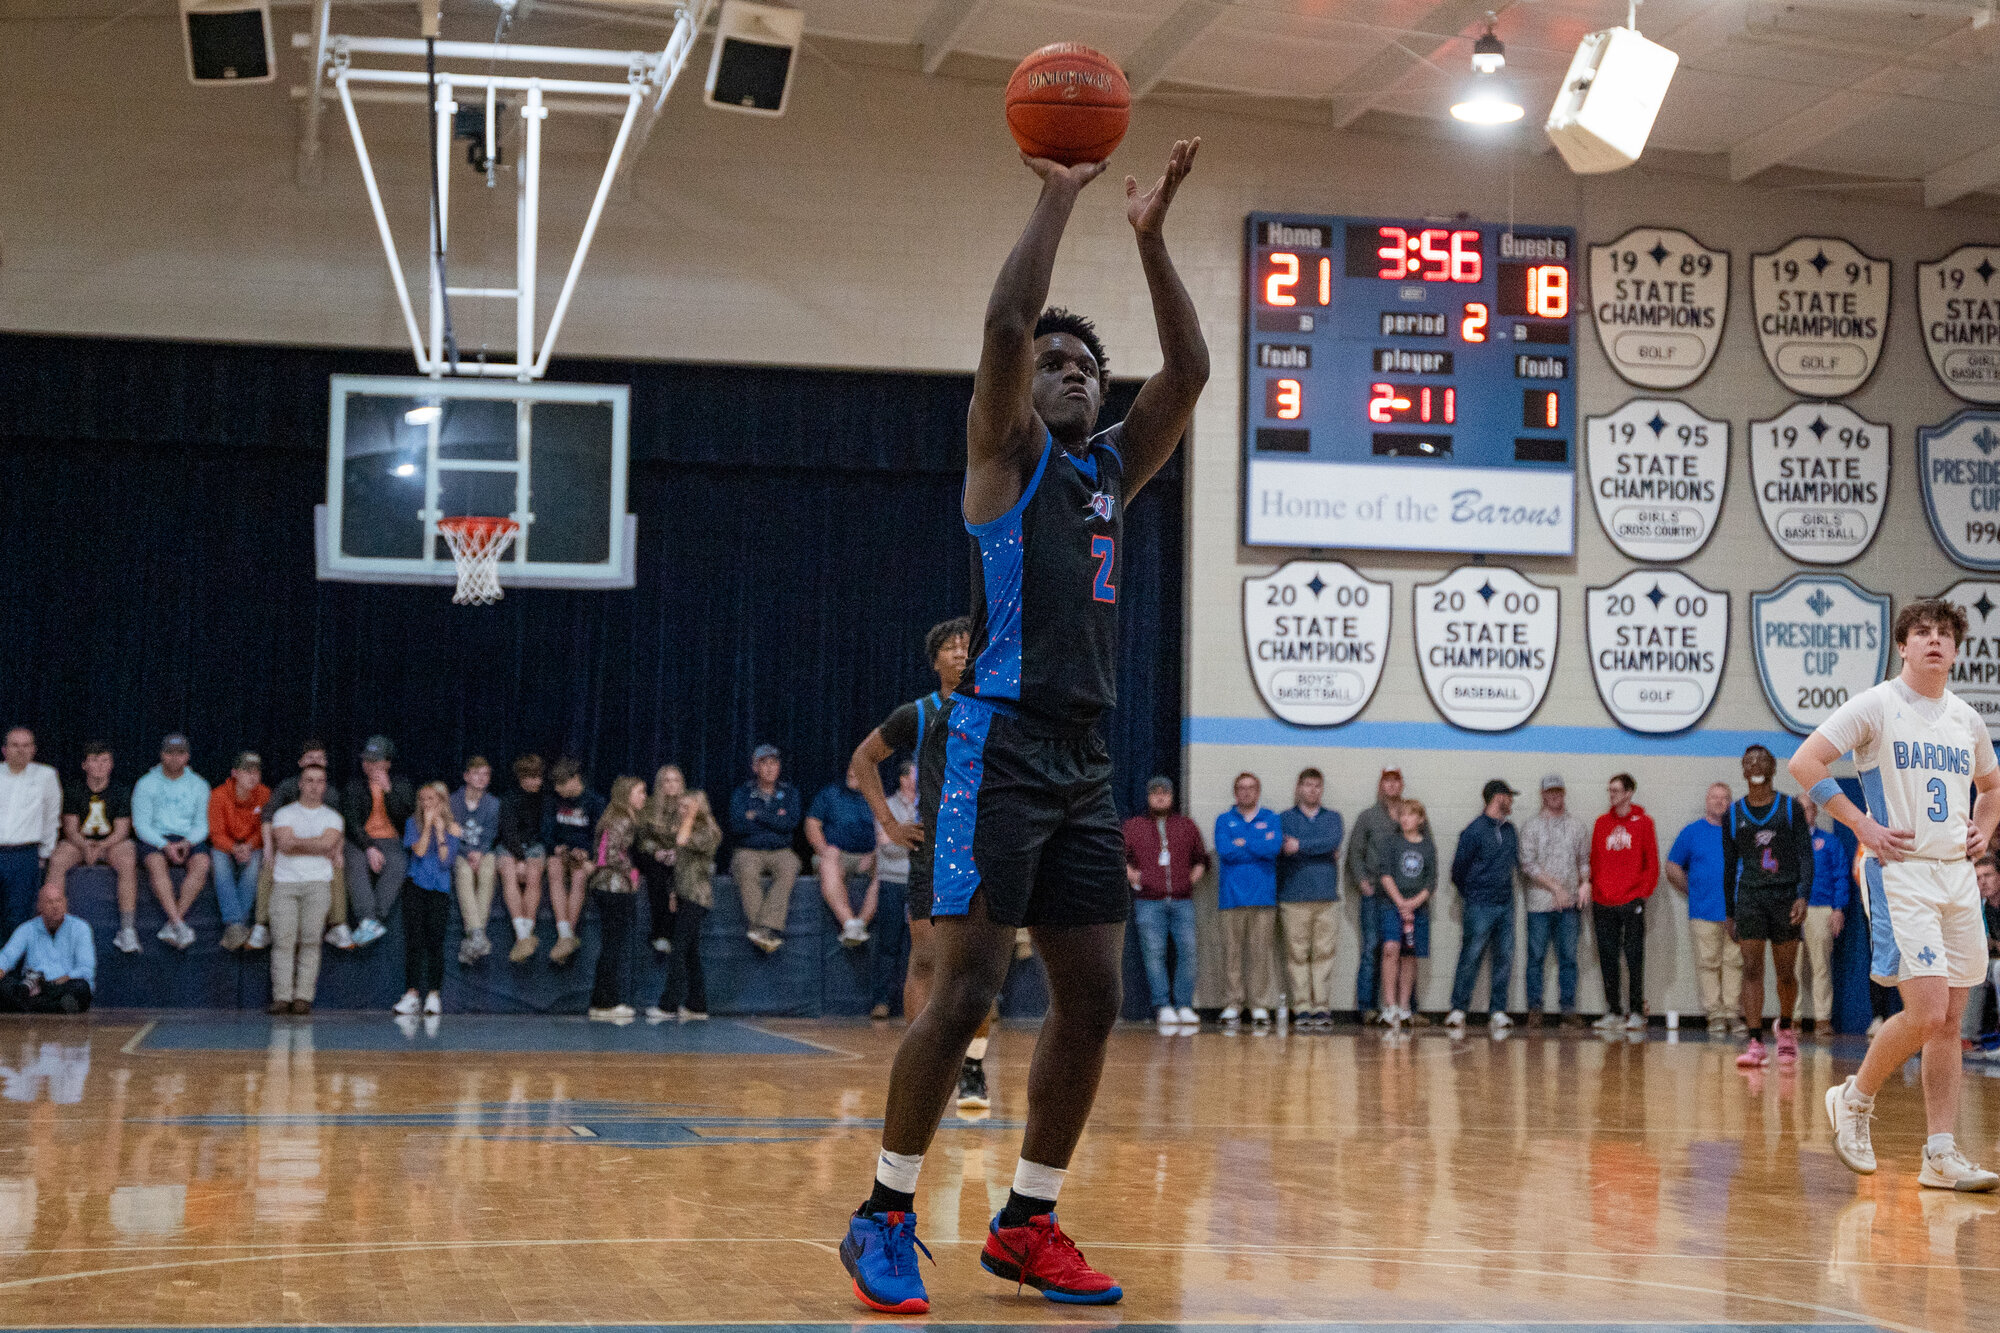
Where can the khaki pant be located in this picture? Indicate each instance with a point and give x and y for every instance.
(336, 906)
(765, 908)
(1815, 968)
(298, 915)
(1309, 943)
(475, 889)
(1718, 966)
(1250, 957)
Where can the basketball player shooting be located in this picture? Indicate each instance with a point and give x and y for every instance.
(1026, 832)
(1919, 748)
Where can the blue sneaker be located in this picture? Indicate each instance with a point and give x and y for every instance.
(880, 1254)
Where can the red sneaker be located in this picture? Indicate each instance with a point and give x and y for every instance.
(1039, 1255)
(1788, 1046)
(1752, 1057)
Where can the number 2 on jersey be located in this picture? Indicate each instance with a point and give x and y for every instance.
(1940, 803)
(1105, 552)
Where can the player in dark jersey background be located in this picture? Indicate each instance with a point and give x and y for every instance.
(1027, 833)
(1767, 878)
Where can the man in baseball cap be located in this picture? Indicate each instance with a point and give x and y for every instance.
(170, 820)
(1482, 869)
(1555, 863)
(1375, 836)
(763, 814)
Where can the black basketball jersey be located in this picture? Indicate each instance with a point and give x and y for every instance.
(918, 728)
(1045, 578)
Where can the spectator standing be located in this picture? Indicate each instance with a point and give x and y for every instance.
(1555, 863)
(307, 843)
(656, 849)
(432, 838)
(841, 829)
(312, 754)
(170, 819)
(1482, 869)
(889, 947)
(97, 830)
(57, 958)
(373, 810)
(1376, 832)
(1624, 871)
(1767, 871)
(236, 845)
(1247, 842)
(1308, 888)
(695, 841)
(477, 813)
(763, 814)
(615, 887)
(1826, 917)
(1694, 866)
(524, 853)
(1164, 859)
(573, 817)
(1406, 873)
(30, 815)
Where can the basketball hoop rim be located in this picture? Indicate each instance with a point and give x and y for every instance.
(479, 525)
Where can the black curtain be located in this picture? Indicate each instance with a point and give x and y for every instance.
(798, 533)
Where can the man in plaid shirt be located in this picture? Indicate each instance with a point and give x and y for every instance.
(1555, 861)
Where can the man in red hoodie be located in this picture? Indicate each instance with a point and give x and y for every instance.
(1624, 871)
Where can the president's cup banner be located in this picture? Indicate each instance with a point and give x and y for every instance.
(1820, 640)
(1958, 464)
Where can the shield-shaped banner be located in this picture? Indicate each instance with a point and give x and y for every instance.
(1975, 677)
(1820, 640)
(1958, 465)
(1657, 472)
(1317, 633)
(1958, 300)
(1660, 300)
(1821, 475)
(1657, 643)
(1822, 308)
(1486, 644)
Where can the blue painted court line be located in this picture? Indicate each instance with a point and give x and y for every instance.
(486, 1034)
(1531, 739)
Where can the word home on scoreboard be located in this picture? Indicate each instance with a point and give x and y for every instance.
(1409, 385)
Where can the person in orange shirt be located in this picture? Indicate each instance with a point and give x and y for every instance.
(235, 835)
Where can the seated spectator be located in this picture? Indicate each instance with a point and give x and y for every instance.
(307, 843)
(763, 814)
(696, 838)
(170, 818)
(841, 829)
(97, 831)
(477, 812)
(311, 755)
(1406, 872)
(432, 839)
(372, 810)
(236, 843)
(1247, 841)
(615, 887)
(1308, 888)
(573, 817)
(524, 852)
(57, 959)
(1826, 917)
(1164, 860)
(30, 816)
(1482, 870)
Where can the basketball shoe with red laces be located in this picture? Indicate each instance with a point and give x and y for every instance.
(1039, 1255)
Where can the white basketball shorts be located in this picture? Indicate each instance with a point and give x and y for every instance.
(1924, 921)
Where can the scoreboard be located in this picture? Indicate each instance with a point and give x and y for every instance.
(1409, 385)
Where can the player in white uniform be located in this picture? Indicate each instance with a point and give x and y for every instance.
(1919, 749)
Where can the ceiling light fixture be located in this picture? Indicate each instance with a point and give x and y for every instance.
(1487, 100)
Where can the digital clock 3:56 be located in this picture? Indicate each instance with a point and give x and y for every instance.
(1409, 384)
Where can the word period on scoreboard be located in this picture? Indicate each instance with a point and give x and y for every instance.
(1409, 385)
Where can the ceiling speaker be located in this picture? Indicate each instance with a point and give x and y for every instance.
(751, 66)
(228, 41)
(1608, 100)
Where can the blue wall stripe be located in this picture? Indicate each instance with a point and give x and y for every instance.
(1704, 744)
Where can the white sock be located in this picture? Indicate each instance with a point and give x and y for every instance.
(899, 1170)
(1857, 1099)
(564, 930)
(1938, 1143)
(523, 927)
(976, 1050)
(1035, 1181)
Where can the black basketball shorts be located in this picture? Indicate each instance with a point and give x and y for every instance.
(1766, 914)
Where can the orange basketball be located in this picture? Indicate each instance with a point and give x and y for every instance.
(1068, 103)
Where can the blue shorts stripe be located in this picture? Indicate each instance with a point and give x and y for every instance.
(1885, 959)
(954, 874)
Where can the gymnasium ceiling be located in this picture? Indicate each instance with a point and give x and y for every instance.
(1896, 99)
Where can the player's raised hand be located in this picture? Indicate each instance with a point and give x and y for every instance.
(1888, 844)
(1146, 212)
(1055, 173)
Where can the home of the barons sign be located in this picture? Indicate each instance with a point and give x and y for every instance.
(1486, 643)
(1317, 633)
(1657, 643)
(1659, 299)
(1820, 640)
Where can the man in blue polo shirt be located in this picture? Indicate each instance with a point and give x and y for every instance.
(57, 957)
(1694, 866)
(1247, 842)
(841, 828)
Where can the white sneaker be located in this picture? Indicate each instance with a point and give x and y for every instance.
(260, 938)
(1166, 1017)
(433, 1003)
(1948, 1170)
(688, 1015)
(169, 935)
(409, 1004)
(598, 1014)
(126, 940)
(1455, 1019)
(1634, 1022)
(1609, 1023)
(1187, 1015)
(340, 937)
(1499, 1021)
(1261, 1017)
(1850, 1130)
(854, 932)
(663, 946)
(480, 944)
(1231, 1016)
(655, 1014)
(624, 1011)
(368, 932)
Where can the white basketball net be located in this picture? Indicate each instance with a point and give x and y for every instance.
(476, 547)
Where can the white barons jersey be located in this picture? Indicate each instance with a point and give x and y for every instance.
(1917, 758)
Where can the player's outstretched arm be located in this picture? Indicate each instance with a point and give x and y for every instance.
(1811, 765)
(1160, 414)
(1001, 424)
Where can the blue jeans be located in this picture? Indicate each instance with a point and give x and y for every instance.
(1371, 954)
(20, 884)
(889, 944)
(235, 885)
(1563, 926)
(1489, 927)
(1158, 920)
